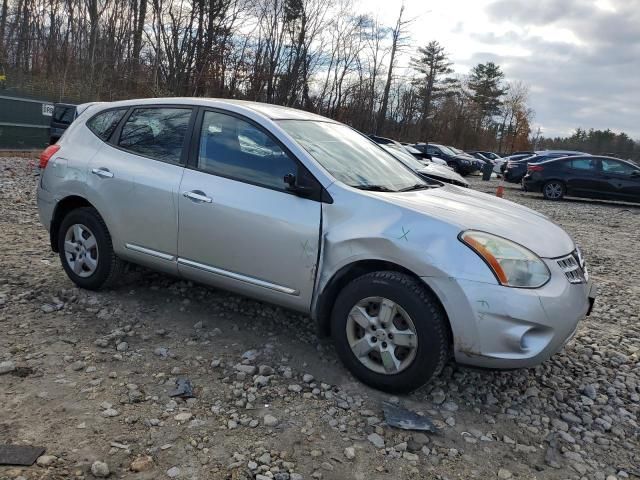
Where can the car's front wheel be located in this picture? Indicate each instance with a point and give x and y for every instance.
(390, 331)
(553, 190)
(86, 251)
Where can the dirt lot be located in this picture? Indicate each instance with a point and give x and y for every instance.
(87, 375)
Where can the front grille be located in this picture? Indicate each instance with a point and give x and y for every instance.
(574, 267)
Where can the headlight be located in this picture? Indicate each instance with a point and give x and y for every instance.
(512, 264)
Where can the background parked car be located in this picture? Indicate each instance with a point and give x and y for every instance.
(462, 164)
(423, 156)
(515, 170)
(63, 115)
(434, 171)
(489, 155)
(585, 176)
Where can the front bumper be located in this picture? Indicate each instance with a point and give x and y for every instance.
(502, 327)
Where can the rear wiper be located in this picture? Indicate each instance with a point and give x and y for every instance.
(373, 188)
(417, 186)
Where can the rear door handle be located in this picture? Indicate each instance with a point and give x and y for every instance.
(198, 196)
(102, 172)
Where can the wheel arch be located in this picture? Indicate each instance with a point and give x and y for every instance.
(62, 208)
(326, 299)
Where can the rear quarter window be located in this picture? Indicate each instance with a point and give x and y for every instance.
(103, 124)
(63, 114)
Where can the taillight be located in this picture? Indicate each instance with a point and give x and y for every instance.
(535, 168)
(46, 155)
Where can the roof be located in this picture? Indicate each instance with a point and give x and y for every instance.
(274, 112)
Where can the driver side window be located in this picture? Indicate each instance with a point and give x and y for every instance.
(236, 149)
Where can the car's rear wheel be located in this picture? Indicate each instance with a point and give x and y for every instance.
(390, 331)
(553, 190)
(86, 251)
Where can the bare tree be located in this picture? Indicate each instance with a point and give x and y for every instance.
(398, 38)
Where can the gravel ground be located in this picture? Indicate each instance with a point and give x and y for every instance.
(88, 375)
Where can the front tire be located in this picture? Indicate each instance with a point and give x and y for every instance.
(553, 190)
(86, 250)
(390, 331)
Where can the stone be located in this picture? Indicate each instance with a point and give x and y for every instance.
(173, 472)
(77, 366)
(100, 469)
(248, 369)
(269, 420)
(141, 464)
(122, 347)
(376, 439)
(504, 474)
(438, 397)
(264, 459)
(7, 367)
(350, 453)
(450, 406)
(46, 460)
(183, 417)
(412, 457)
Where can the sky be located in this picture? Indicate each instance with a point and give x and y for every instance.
(580, 58)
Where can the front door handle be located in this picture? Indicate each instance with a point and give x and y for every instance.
(102, 172)
(198, 196)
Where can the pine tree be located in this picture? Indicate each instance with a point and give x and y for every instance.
(432, 64)
(487, 89)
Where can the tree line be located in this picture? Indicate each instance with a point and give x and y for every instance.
(597, 142)
(318, 55)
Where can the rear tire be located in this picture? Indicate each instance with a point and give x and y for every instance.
(86, 250)
(396, 355)
(554, 190)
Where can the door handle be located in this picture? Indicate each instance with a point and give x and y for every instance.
(197, 196)
(102, 172)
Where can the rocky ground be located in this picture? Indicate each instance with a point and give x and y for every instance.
(88, 375)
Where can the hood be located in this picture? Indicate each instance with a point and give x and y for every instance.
(442, 171)
(472, 210)
(436, 160)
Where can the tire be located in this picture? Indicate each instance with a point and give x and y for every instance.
(105, 267)
(554, 190)
(418, 364)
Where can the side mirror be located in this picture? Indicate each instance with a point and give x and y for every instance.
(292, 186)
(635, 173)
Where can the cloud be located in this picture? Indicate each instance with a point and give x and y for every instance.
(591, 82)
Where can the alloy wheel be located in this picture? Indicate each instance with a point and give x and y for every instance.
(81, 250)
(553, 190)
(382, 335)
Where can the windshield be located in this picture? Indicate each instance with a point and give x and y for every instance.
(405, 157)
(447, 150)
(350, 156)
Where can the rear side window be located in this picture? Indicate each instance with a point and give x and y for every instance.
(584, 164)
(157, 133)
(105, 123)
(63, 114)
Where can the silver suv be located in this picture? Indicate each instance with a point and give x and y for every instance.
(304, 212)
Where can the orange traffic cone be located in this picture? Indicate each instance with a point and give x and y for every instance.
(500, 189)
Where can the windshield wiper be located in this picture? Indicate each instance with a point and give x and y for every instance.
(417, 186)
(373, 188)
